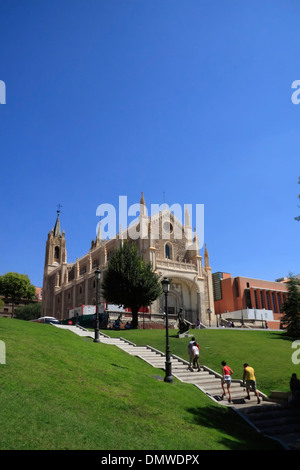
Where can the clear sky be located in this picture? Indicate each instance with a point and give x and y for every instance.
(188, 101)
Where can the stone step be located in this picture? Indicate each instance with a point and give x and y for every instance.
(111, 341)
(218, 386)
(147, 356)
(145, 353)
(210, 382)
(158, 357)
(282, 421)
(236, 393)
(186, 372)
(195, 376)
(290, 439)
(156, 360)
(275, 428)
(203, 380)
(270, 415)
(252, 412)
(181, 368)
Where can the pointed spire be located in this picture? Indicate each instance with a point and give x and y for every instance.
(143, 210)
(57, 231)
(187, 226)
(186, 217)
(196, 239)
(99, 238)
(206, 258)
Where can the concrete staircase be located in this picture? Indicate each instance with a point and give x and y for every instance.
(272, 419)
(277, 421)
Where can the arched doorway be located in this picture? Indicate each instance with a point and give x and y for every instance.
(184, 293)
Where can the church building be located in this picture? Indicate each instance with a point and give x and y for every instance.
(163, 240)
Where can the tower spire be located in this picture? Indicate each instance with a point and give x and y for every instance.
(143, 210)
(186, 217)
(206, 257)
(99, 238)
(142, 201)
(57, 230)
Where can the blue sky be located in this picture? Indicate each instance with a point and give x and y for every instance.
(188, 101)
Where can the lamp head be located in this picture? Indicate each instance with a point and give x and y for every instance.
(165, 285)
(97, 274)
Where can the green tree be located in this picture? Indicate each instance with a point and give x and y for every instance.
(129, 281)
(15, 287)
(29, 312)
(291, 308)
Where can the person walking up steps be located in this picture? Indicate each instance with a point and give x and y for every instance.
(226, 379)
(249, 377)
(196, 355)
(190, 352)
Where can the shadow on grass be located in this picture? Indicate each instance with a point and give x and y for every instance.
(238, 435)
(120, 367)
(283, 336)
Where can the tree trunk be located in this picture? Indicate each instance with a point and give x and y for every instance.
(135, 312)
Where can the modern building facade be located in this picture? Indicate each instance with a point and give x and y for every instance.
(68, 285)
(249, 300)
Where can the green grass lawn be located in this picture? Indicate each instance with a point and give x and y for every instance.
(269, 352)
(60, 391)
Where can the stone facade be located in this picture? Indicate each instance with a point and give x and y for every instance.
(161, 239)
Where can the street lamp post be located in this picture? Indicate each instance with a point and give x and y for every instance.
(166, 287)
(209, 316)
(97, 278)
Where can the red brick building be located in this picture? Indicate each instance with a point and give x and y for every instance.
(248, 300)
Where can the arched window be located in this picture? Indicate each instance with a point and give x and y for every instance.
(168, 251)
(56, 252)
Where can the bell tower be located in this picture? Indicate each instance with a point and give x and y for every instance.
(56, 253)
(54, 269)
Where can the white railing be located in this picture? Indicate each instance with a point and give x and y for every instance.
(176, 265)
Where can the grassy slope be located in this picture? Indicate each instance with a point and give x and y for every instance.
(269, 352)
(59, 391)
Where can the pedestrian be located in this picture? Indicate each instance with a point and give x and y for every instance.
(196, 355)
(190, 352)
(226, 379)
(294, 399)
(250, 381)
